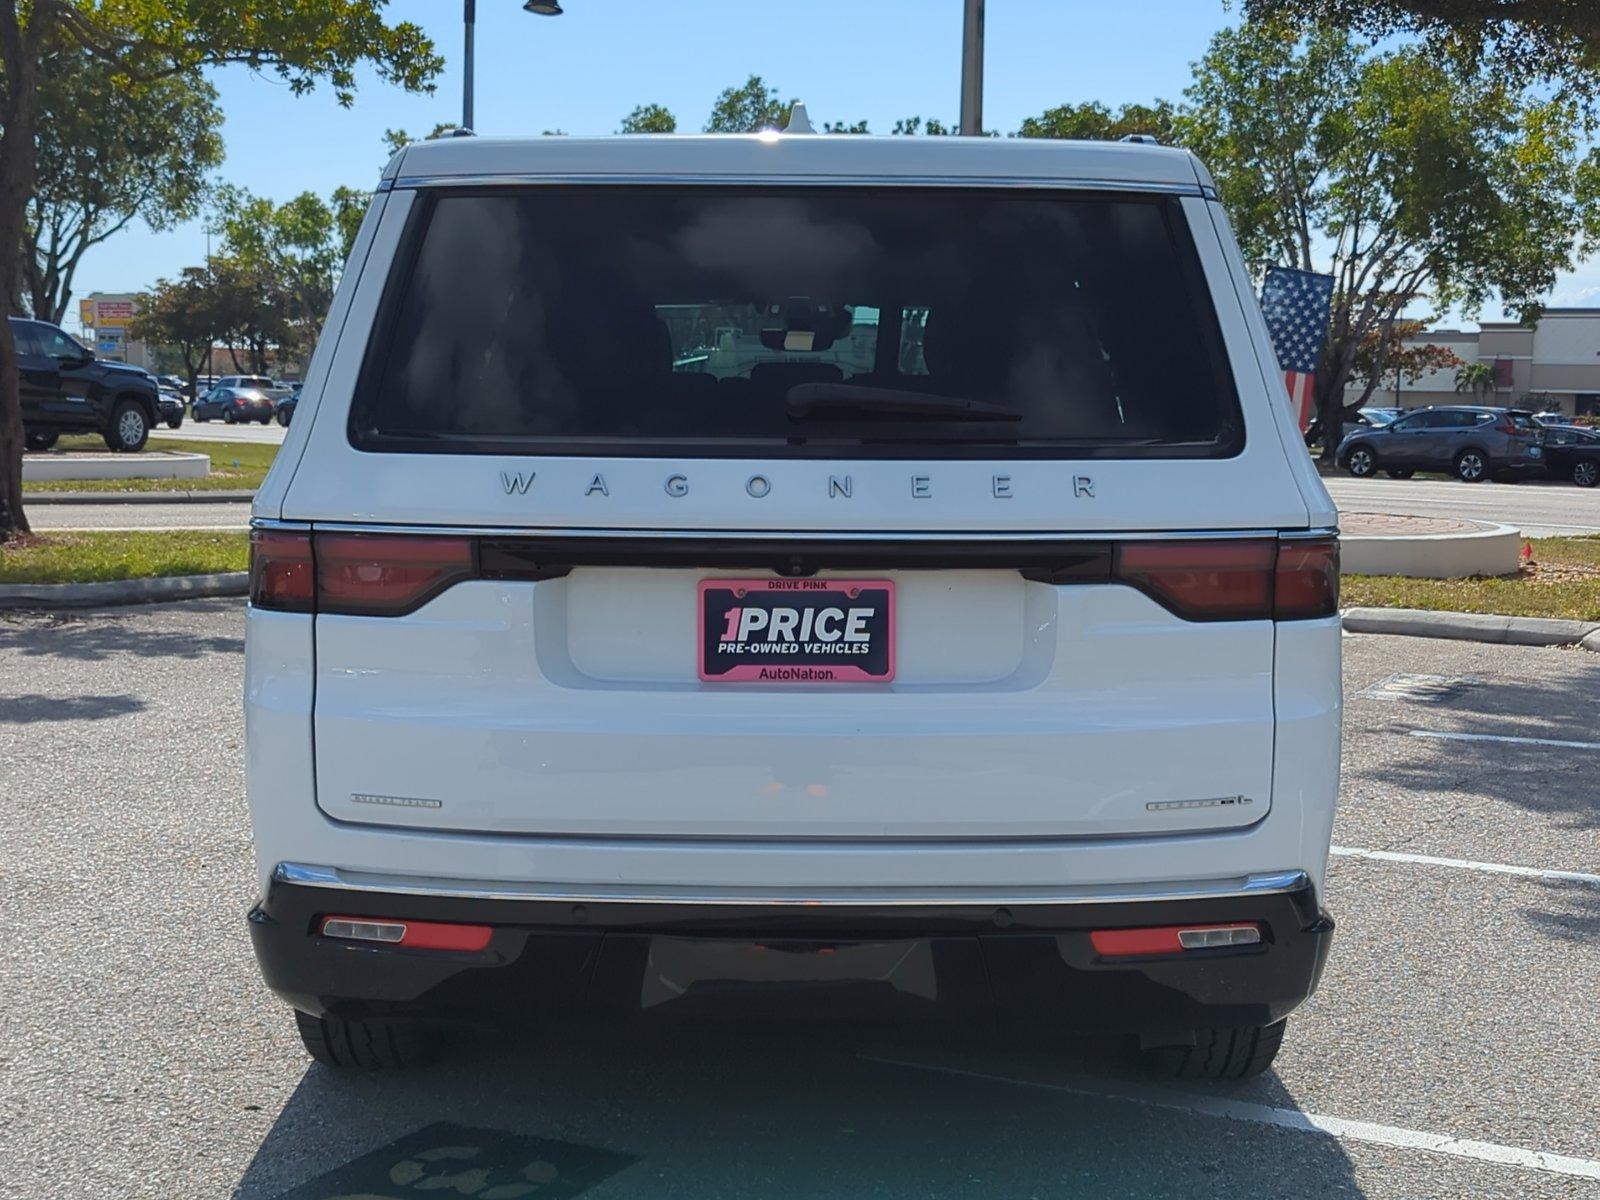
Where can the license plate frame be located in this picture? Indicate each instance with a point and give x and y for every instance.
(724, 635)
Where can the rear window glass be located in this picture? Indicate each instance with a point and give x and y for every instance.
(820, 323)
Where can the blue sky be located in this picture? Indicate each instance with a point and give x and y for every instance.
(583, 71)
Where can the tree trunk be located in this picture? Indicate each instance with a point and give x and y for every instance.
(18, 114)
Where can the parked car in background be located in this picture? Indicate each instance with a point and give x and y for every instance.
(1572, 452)
(170, 403)
(234, 404)
(1382, 416)
(1369, 418)
(246, 381)
(1551, 418)
(285, 409)
(1470, 442)
(65, 389)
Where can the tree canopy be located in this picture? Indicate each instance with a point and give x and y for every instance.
(302, 42)
(1097, 122)
(110, 151)
(748, 108)
(649, 118)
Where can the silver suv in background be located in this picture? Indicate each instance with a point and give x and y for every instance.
(1468, 441)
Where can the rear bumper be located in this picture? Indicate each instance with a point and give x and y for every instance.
(1029, 963)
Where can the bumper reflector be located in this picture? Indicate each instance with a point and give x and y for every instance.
(1171, 939)
(413, 935)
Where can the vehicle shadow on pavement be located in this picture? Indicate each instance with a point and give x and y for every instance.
(101, 634)
(1551, 780)
(827, 1109)
(32, 708)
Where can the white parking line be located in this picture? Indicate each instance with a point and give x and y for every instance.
(1288, 1118)
(1443, 735)
(1467, 864)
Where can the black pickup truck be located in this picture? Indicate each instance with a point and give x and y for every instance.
(65, 389)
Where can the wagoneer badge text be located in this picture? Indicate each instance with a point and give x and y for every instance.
(758, 487)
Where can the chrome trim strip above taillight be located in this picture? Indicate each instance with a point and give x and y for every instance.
(306, 875)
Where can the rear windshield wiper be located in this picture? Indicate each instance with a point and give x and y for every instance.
(807, 399)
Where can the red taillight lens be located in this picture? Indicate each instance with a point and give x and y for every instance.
(238, 401)
(282, 574)
(1306, 582)
(1203, 580)
(1172, 939)
(413, 935)
(377, 574)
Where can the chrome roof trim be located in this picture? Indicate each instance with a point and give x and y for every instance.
(525, 179)
(306, 875)
(885, 535)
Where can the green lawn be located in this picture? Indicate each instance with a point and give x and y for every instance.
(234, 466)
(1563, 581)
(91, 557)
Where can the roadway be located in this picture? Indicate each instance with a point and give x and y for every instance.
(1452, 1050)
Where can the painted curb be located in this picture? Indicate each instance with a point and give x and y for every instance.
(1473, 627)
(122, 591)
(156, 464)
(29, 499)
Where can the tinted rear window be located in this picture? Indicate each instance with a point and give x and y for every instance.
(675, 321)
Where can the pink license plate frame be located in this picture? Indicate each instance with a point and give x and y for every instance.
(799, 666)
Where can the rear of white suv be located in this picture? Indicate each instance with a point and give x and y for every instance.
(794, 561)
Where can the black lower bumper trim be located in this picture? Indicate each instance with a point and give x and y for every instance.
(1028, 963)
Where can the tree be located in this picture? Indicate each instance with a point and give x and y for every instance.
(182, 314)
(909, 126)
(109, 152)
(1401, 173)
(748, 109)
(650, 118)
(1396, 350)
(288, 257)
(1519, 39)
(845, 127)
(303, 42)
(1477, 378)
(1095, 122)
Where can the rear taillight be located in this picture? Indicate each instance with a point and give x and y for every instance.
(380, 574)
(1237, 579)
(1172, 939)
(1203, 580)
(238, 401)
(1306, 581)
(282, 571)
(412, 935)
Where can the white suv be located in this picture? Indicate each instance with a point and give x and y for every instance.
(703, 566)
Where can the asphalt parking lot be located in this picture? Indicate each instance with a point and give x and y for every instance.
(1453, 1049)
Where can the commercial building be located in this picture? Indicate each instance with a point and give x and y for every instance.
(105, 317)
(1552, 365)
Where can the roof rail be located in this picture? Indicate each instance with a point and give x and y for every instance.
(1142, 139)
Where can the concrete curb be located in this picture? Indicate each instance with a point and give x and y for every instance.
(1473, 627)
(186, 497)
(122, 591)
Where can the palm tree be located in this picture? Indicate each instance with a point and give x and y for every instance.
(1477, 378)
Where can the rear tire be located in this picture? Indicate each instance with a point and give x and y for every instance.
(363, 1045)
(42, 441)
(1361, 462)
(283, 417)
(174, 422)
(227, 416)
(1586, 472)
(1393, 473)
(1472, 466)
(1218, 1054)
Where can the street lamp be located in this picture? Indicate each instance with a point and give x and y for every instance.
(972, 69)
(469, 18)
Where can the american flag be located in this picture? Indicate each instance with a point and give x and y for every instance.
(1297, 305)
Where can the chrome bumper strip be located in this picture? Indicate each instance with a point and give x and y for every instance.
(483, 889)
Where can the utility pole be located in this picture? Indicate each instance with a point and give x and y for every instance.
(971, 69)
(469, 16)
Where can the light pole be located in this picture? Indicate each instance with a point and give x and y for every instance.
(972, 69)
(469, 19)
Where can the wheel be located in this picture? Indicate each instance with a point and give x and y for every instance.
(266, 420)
(227, 416)
(175, 422)
(1586, 472)
(363, 1045)
(1472, 466)
(1361, 463)
(1392, 473)
(39, 441)
(1218, 1054)
(129, 428)
(283, 417)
